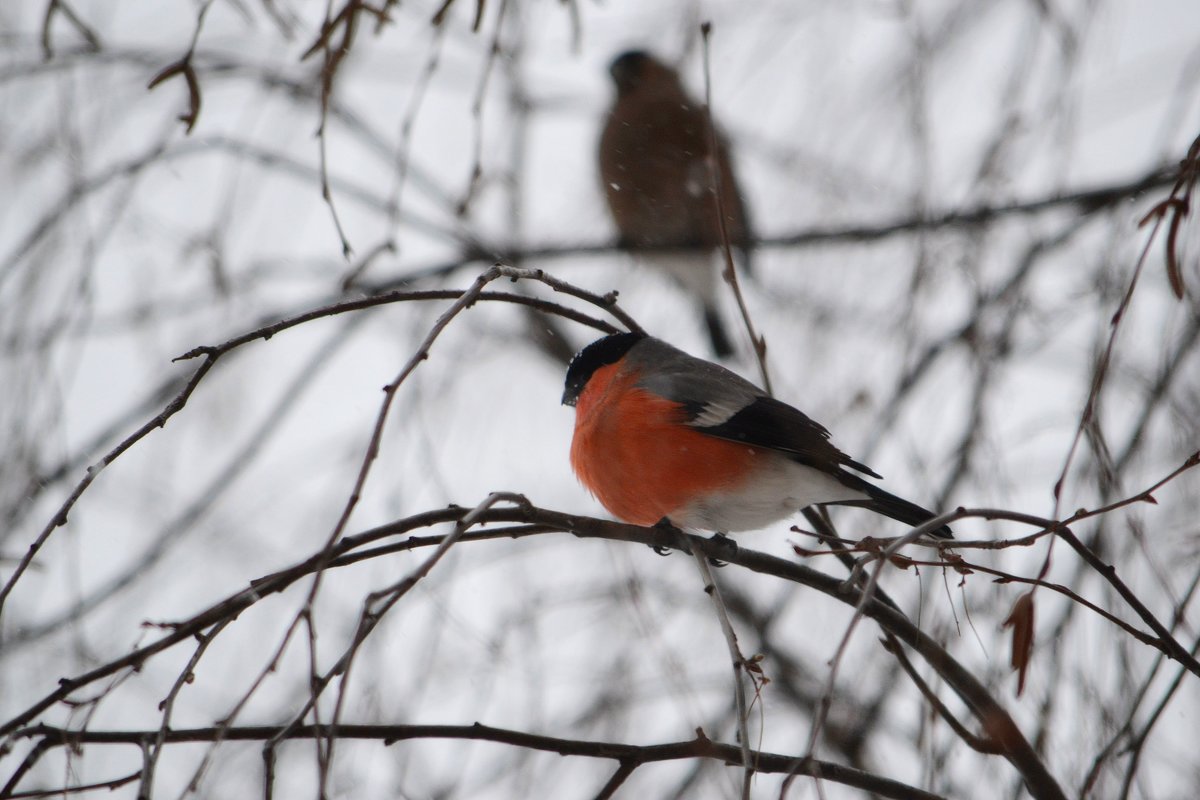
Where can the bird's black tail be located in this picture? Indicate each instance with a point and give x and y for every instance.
(721, 345)
(897, 508)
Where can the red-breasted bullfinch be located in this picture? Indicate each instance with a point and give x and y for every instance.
(662, 435)
(660, 184)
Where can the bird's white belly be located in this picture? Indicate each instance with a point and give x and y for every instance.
(779, 489)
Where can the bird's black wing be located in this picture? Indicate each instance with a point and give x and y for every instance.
(719, 403)
(769, 423)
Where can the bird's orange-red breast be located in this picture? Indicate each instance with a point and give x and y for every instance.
(662, 435)
(636, 453)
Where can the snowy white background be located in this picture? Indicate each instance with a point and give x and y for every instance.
(125, 242)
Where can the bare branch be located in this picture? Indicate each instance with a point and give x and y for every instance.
(700, 747)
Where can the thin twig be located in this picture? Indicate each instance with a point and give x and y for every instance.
(737, 660)
(721, 192)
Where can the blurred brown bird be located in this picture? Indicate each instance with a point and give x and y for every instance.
(655, 165)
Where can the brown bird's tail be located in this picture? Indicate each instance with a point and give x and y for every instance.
(716, 332)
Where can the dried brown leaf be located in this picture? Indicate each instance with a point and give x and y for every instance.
(1020, 619)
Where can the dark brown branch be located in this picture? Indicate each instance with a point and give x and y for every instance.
(1100, 375)
(114, 783)
(213, 353)
(346, 20)
(205, 497)
(625, 768)
(1138, 743)
(996, 722)
(60, 517)
(84, 30)
(626, 754)
(1177, 206)
(32, 758)
(154, 748)
(1083, 201)
(1125, 730)
(1006, 577)
(977, 743)
(1109, 572)
(267, 331)
(185, 68)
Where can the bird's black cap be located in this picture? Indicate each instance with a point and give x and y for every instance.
(599, 353)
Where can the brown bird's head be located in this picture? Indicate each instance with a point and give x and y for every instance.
(636, 69)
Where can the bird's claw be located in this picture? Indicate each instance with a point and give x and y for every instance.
(666, 526)
(724, 542)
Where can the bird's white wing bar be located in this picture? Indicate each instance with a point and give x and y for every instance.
(716, 413)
